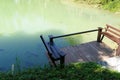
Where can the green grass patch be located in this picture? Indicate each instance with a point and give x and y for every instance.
(77, 71)
(88, 1)
(113, 6)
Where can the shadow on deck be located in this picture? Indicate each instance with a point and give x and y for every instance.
(87, 52)
(95, 51)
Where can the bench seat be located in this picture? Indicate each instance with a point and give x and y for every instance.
(112, 37)
(111, 33)
(56, 53)
(53, 52)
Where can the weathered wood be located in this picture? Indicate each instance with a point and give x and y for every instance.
(45, 44)
(116, 34)
(102, 47)
(112, 37)
(99, 34)
(62, 61)
(49, 52)
(109, 26)
(54, 53)
(53, 37)
(113, 34)
(50, 39)
(87, 52)
(92, 51)
(118, 51)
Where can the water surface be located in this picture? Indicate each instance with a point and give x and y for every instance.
(22, 21)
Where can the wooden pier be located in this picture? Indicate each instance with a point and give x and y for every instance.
(87, 52)
(95, 51)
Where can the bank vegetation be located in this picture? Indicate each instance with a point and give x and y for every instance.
(111, 5)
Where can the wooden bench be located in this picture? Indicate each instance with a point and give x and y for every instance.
(54, 53)
(111, 33)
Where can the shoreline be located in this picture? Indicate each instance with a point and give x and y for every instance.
(84, 4)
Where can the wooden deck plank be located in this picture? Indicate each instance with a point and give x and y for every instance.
(90, 52)
(80, 56)
(102, 47)
(87, 52)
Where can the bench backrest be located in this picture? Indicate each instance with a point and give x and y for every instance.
(113, 31)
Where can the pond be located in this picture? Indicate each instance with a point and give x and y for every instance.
(22, 22)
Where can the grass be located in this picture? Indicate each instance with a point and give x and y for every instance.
(77, 71)
(88, 1)
(111, 5)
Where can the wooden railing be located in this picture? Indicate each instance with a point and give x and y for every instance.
(55, 54)
(51, 37)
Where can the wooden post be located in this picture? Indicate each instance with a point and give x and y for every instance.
(44, 43)
(50, 39)
(118, 51)
(99, 34)
(48, 51)
(62, 61)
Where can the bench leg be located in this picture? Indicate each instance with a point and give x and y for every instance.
(118, 51)
(62, 61)
(52, 60)
(101, 38)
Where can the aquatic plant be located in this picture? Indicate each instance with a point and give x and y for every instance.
(17, 65)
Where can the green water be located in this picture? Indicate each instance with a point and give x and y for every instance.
(22, 21)
(33, 16)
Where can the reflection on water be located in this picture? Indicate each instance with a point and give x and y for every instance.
(35, 17)
(39, 15)
(28, 49)
(25, 47)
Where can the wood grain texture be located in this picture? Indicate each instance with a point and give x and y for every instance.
(87, 52)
